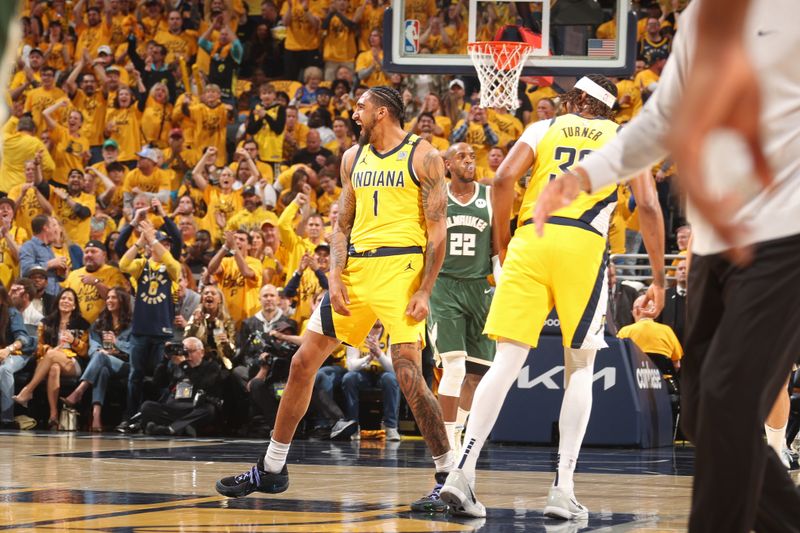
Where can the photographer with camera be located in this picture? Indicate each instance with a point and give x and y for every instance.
(193, 381)
(264, 355)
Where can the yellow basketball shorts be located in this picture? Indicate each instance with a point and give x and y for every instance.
(565, 268)
(379, 288)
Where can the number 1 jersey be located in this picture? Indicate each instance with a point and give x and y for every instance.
(388, 198)
(558, 145)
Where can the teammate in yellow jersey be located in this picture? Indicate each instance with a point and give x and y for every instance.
(392, 206)
(566, 268)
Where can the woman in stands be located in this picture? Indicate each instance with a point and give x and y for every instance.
(109, 351)
(212, 324)
(63, 342)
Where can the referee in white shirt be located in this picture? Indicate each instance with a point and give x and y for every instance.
(743, 323)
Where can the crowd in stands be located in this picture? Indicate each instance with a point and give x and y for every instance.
(169, 181)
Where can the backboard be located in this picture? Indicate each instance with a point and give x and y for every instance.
(419, 38)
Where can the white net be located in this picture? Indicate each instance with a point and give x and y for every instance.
(499, 65)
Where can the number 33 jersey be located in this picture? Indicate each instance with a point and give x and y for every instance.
(388, 198)
(558, 145)
(469, 235)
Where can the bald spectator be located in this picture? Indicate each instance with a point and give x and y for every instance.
(92, 281)
(314, 154)
(658, 341)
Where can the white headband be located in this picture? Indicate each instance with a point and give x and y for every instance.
(592, 89)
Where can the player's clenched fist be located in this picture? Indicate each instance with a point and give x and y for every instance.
(339, 298)
(418, 306)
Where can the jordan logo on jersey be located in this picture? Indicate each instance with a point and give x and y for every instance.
(409, 267)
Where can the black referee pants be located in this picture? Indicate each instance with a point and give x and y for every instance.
(743, 333)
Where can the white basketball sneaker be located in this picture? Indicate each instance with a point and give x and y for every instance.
(562, 504)
(458, 494)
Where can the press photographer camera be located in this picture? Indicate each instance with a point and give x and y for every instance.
(193, 382)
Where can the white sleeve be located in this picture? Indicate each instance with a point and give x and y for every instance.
(641, 143)
(534, 133)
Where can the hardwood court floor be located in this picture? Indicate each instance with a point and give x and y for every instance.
(81, 482)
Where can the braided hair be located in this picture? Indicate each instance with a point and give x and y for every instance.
(391, 99)
(592, 105)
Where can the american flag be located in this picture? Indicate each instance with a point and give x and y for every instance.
(602, 48)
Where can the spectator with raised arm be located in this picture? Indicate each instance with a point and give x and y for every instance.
(238, 275)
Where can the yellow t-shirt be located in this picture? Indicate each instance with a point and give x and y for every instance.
(292, 245)
(340, 42)
(300, 34)
(93, 109)
(156, 123)
(632, 108)
(421, 10)
(270, 144)
(607, 30)
(378, 77)
(91, 38)
(507, 126)
(246, 220)
(9, 267)
(652, 337)
(210, 128)
(89, 300)
(216, 200)
(127, 130)
(77, 229)
(181, 45)
(476, 138)
(159, 180)
(68, 152)
(39, 99)
(28, 208)
(372, 19)
(388, 197)
(309, 286)
(241, 295)
(19, 147)
(645, 78)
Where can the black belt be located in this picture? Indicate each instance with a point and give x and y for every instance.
(385, 251)
(562, 221)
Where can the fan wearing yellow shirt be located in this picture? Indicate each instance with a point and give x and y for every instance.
(73, 208)
(92, 32)
(266, 123)
(238, 277)
(93, 281)
(247, 157)
(147, 178)
(294, 134)
(647, 79)
(330, 193)
(476, 131)
(180, 43)
(657, 340)
(221, 200)
(309, 279)
(425, 126)
(339, 45)
(19, 146)
(485, 175)
(43, 97)
(251, 217)
(90, 102)
(507, 126)
(29, 197)
(292, 241)
(179, 160)
(210, 121)
(369, 16)
(422, 10)
(124, 125)
(25, 79)
(156, 116)
(369, 63)
(11, 237)
(302, 19)
(630, 100)
(70, 148)
(343, 137)
(58, 51)
(434, 39)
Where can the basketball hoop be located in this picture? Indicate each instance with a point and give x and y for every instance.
(499, 65)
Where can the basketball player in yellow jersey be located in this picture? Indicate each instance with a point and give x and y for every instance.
(565, 268)
(386, 251)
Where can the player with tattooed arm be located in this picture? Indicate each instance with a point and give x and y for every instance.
(386, 252)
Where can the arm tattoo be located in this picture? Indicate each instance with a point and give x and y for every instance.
(434, 190)
(406, 362)
(344, 224)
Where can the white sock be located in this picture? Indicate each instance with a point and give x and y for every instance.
(575, 410)
(489, 397)
(776, 438)
(461, 417)
(450, 429)
(445, 462)
(275, 457)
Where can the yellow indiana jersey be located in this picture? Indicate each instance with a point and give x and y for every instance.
(388, 198)
(558, 145)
